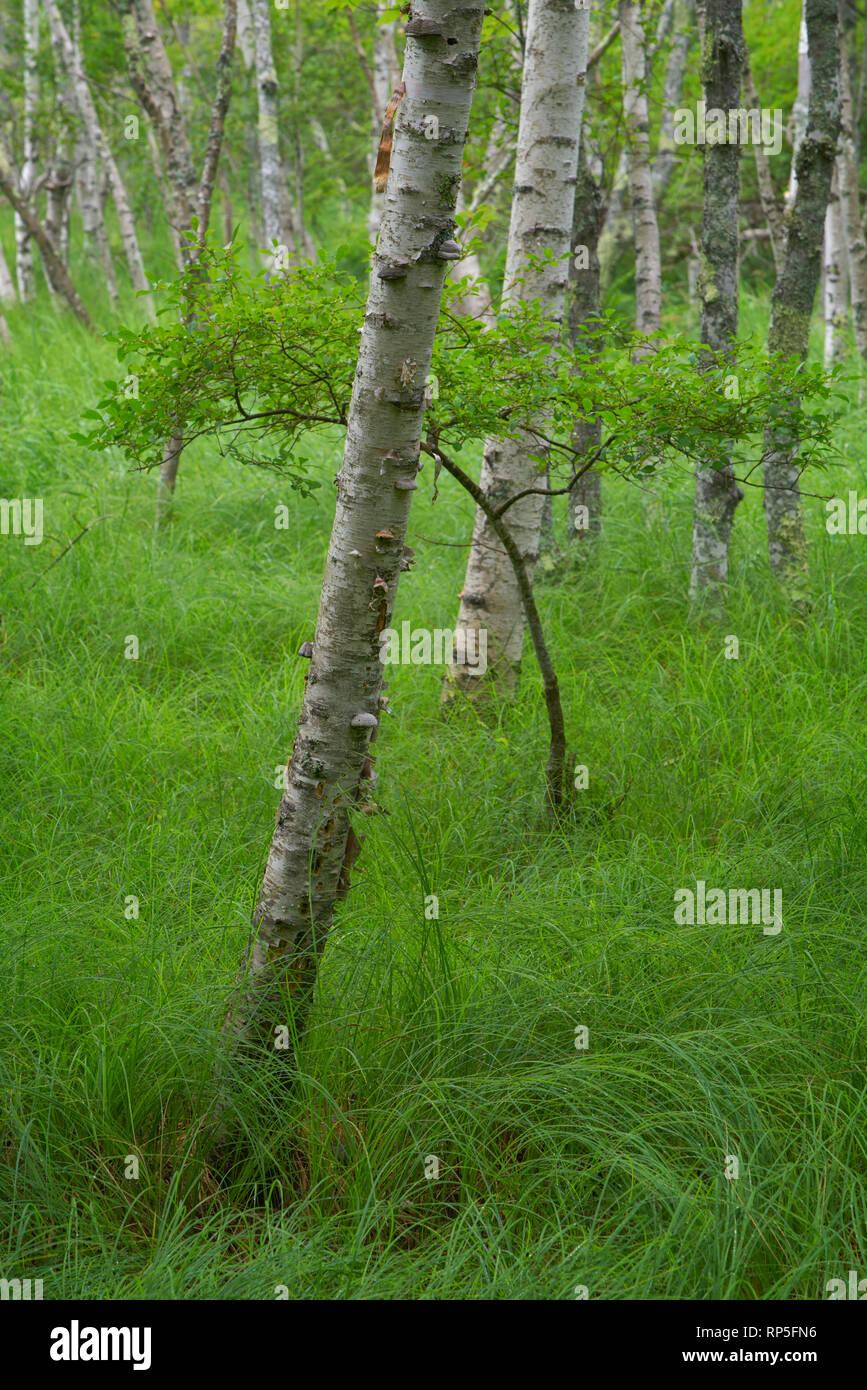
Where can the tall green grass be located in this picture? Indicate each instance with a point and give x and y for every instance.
(455, 1036)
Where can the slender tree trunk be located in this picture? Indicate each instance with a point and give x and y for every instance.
(477, 303)
(850, 206)
(770, 203)
(836, 277)
(556, 51)
(795, 292)
(55, 270)
(8, 293)
(716, 492)
(585, 498)
(153, 82)
(271, 172)
(94, 147)
(307, 871)
(801, 106)
(648, 273)
(683, 22)
(23, 248)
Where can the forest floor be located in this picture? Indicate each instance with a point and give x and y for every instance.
(455, 1037)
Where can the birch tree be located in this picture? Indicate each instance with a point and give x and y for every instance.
(312, 846)
(585, 497)
(648, 271)
(552, 98)
(152, 79)
(271, 172)
(23, 247)
(850, 203)
(716, 492)
(795, 291)
(835, 275)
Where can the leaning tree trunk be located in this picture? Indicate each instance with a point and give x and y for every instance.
(716, 492)
(795, 292)
(545, 169)
(97, 149)
(306, 873)
(152, 80)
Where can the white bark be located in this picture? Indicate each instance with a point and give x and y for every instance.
(552, 101)
(648, 274)
(802, 104)
(770, 205)
(385, 78)
(96, 149)
(272, 175)
(246, 37)
(8, 293)
(681, 39)
(23, 247)
(305, 871)
(850, 206)
(476, 303)
(836, 277)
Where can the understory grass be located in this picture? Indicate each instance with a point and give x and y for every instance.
(452, 1037)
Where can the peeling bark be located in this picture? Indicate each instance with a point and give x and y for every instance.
(342, 701)
(716, 492)
(795, 292)
(552, 98)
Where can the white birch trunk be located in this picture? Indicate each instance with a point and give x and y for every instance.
(305, 872)
(801, 106)
(850, 207)
(8, 293)
(681, 39)
(770, 206)
(246, 36)
(96, 149)
(272, 175)
(552, 100)
(23, 246)
(648, 274)
(836, 277)
(385, 78)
